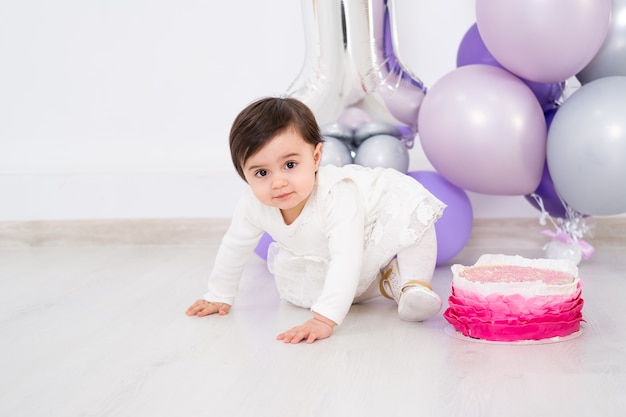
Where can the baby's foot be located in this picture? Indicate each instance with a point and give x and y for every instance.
(417, 303)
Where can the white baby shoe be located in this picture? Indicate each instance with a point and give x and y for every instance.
(416, 299)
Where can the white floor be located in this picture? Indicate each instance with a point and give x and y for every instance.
(96, 327)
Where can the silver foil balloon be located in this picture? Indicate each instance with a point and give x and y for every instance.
(320, 81)
(351, 61)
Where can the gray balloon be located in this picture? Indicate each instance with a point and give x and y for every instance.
(383, 151)
(611, 58)
(337, 130)
(586, 149)
(335, 152)
(375, 128)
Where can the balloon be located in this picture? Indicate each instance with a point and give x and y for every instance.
(337, 130)
(383, 151)
(472, 50)
(483, 130)
(335, 152)
(401, 90)
(586, 148)
(550, 200)
(611, 58)
(543, 41)
(375, 128)
(353, 118)
(454, 228)
(320, 81)
(555, 249)
(263, 246)
(351, 61)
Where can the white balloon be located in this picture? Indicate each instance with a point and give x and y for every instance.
(555, 249)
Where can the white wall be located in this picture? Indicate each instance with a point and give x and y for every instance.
(121, 108)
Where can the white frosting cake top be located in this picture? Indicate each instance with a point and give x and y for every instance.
(506, 274)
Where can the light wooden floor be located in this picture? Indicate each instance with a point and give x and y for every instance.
(92, 323)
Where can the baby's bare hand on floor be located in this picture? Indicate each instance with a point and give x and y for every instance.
(310, 331)
(203, 308)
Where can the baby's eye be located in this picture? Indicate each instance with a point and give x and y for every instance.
(260, 173)
(290, 165)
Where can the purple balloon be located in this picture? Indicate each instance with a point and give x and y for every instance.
(545, 190)
(549, 198)
(453, 229)
(472, 50)
(263, 245)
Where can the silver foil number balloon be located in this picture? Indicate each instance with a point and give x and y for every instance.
(351, 61)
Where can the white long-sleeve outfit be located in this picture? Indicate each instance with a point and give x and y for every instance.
(355, 221)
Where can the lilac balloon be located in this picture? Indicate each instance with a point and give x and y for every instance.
(543, 41)
(472, 50)
(454, 228)
(353, 118)
(483, 130)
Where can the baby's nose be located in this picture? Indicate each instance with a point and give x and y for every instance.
(279, 182)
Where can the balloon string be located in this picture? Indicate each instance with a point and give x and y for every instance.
(570, 229)
(544, 213)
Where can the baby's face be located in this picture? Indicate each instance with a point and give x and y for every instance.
(282, 173)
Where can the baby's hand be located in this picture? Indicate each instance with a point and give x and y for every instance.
(319, 327)
(203, 308)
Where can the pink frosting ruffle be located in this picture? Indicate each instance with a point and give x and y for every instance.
(508, 318)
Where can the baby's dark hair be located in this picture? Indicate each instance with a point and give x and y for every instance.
(263, 120)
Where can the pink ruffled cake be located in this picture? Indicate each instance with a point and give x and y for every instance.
(510, 298)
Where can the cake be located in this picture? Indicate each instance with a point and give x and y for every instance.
(510, 298)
